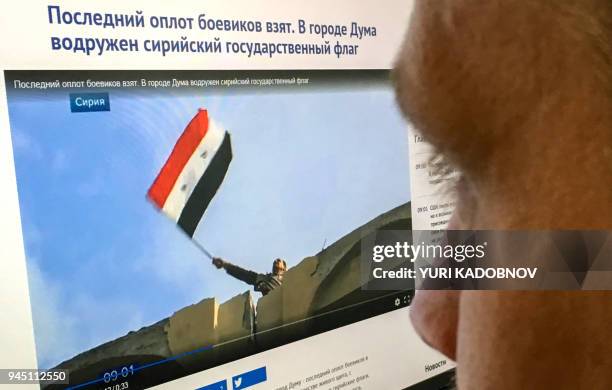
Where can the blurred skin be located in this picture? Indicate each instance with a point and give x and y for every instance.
(517, 94)
(279, 267)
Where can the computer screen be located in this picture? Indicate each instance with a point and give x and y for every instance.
(189, 186)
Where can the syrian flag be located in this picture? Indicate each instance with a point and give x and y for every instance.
(193, 173)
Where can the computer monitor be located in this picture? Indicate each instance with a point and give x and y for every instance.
(187, 189)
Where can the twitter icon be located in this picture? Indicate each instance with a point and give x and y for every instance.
(250, 378)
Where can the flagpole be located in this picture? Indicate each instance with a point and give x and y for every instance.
(201, 248)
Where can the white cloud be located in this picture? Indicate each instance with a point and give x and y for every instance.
(67, 323)
(174, 260)
(53, 326)
(26, 145)
(90, 188)
(59, 162)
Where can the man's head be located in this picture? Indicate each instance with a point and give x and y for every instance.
(517, 95)
(279, 266)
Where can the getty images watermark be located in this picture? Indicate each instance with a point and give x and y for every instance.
(487, 260)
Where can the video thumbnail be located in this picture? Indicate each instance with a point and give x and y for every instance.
(175, 221)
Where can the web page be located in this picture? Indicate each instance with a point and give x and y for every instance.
(202, 228)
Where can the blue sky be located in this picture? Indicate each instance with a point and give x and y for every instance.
(308, 166)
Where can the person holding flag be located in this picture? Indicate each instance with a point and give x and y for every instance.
(189, 180)
(263, 283)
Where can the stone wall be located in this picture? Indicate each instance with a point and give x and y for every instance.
(235, 327)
